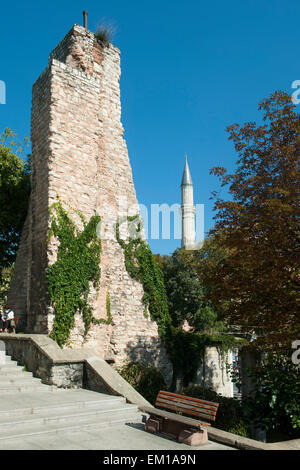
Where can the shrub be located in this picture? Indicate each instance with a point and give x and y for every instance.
(230, 415)
(103, 36)
(147, 380)
(105, 32)
(275, 402)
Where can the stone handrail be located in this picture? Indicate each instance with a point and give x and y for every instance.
(68, 367)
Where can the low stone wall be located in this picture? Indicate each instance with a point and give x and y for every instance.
(67, 368)
(244, 443)
(37, 354)
(213, 373)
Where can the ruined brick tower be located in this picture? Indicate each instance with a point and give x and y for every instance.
(80, 155)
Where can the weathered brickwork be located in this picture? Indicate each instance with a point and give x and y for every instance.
(80, 155)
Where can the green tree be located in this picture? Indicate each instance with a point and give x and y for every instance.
(275, 401)
(185, 295)
(14, 195)
(251, 269)
(187, 303)
(5, 278)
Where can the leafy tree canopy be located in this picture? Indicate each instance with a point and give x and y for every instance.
(5, 278)
(185, 295)
(275, 400)
(14, 194)
(250, 262)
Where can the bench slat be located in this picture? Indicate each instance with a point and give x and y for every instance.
(186, 409)
(185, 405)
(197, 400)
(190, 412)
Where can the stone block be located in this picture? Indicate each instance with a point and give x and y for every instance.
(153, 425)
(193, 438)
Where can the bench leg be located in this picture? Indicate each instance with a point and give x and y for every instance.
(153, 425)
(191, 437)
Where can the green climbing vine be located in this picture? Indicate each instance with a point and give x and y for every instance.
(141, 265)
(108, 320)
(77, 267)
(108, 312)
(185, 348)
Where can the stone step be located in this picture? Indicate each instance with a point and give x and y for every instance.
(10, 389)
(124, 415)
(6, 380)
(9, 360)
(11, 365)
(12, 372)
(60, 417)
(66, 406)
(30, 408)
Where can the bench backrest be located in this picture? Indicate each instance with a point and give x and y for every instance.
(187, 405)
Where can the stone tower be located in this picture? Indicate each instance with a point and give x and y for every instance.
(80, 155)
(188, 210)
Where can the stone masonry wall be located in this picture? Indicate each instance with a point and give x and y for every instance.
(213, 373)
(80, 155)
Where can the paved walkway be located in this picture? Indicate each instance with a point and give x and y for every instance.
(35, 416)
(116, 437)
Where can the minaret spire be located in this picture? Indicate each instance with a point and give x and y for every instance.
(188, 238)
(186, 177)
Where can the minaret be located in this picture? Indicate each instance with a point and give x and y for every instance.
(188, 237)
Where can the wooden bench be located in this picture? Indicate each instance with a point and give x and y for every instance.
(185, 429)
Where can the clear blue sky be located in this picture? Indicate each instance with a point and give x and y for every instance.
(189, 69)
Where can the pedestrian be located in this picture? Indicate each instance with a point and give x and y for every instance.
(2, 322)
(10, 319)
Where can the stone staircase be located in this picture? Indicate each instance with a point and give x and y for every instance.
(30, 408)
